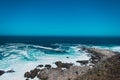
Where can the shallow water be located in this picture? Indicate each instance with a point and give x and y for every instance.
(24, 57)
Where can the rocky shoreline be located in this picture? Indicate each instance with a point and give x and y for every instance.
(69, 71)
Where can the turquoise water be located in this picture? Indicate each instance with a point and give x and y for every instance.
(24, 57)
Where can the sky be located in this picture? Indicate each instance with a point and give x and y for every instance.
(60, 18)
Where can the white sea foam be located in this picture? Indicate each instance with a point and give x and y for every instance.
(26, 58)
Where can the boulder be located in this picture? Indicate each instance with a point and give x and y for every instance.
(2, 72)
(40, 65)
(63, 65)
(27, 74)
(83, 62)
(10, 71)
(48, 66)
(34, 73)
(58, 64)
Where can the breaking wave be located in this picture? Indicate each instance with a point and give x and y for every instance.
(24, 57)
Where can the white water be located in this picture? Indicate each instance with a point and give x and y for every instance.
(24, 57)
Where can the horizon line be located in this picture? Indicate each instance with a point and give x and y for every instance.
(58, 36)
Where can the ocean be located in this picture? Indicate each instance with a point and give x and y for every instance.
(24, 53)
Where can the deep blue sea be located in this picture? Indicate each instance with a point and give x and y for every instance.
(45, 40)
(24, 53)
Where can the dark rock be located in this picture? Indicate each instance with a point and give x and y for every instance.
(83, 48)
(2, 72)
(27, 74)
(48, 66)
(34, 73)
(40, 66)
(67, 65)
(27, 79)
(63, 65)
(58, 64)
(67, 57)
(10, 71)
(83, 62)
(95, 59)
(76, 72)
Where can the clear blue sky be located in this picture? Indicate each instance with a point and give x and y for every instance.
(60, 17)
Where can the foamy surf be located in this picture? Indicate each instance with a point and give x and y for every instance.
(24, 57)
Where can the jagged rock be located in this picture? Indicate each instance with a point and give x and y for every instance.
(27, 74)
(48, 66)
(95, 59)
(83, 62)
(10, 71)
(63, 65)
(58, 64)
(40, 65)
(2, 72)
(34, 73)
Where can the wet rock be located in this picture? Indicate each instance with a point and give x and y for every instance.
(10, 71)
(48, 66)
(67, 57)
(34, 73)
(2, 72)
(83, 62)
(27, 74)
(27, 79)
(83, 48)
(40, 65)
(63, 65)
(58, 64)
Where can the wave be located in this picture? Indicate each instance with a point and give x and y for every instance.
(24, 57)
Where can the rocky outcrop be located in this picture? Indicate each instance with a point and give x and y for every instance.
(48, 66)
(2, 72)
(9, 71)
(40, 66)
(83, 62)
(109, 69)
(100, 52)
(63, 65)
(58, 73)
(70, 72)
(32, 74)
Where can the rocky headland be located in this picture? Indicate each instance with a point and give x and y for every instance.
(69, 71)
